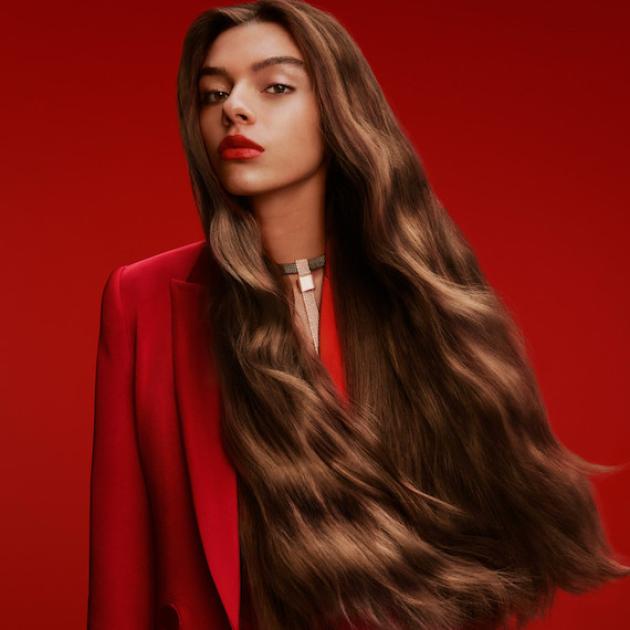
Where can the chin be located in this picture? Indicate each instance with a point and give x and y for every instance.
(244, 186)
(241, 189)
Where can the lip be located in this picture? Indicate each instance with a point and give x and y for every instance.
(237, 146)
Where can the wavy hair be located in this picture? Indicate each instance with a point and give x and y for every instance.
(437, 495)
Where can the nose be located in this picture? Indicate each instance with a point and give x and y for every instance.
(235, 110)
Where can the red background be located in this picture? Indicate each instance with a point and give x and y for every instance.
(520, 115)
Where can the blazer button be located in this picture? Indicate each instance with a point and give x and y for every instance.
(168, 618)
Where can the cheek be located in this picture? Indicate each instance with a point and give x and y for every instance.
(211, 135)
(301, 144)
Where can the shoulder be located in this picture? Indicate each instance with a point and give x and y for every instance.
(186, 262)
(145, 283)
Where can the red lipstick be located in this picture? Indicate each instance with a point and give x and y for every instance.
(238, 147)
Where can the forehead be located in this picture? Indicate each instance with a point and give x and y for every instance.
(240, 46)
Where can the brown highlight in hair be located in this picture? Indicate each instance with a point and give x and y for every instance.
(438, 496)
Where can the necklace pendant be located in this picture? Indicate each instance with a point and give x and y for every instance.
(307, 287)
(306, 282)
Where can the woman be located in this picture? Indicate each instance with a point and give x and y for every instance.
(321, 414)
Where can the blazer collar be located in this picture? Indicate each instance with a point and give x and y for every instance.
(198, 398)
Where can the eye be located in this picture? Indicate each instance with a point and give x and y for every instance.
(214, 96)
(282, 85)
(208, 96)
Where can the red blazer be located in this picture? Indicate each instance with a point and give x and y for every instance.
(164, 548)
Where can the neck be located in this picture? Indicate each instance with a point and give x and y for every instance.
(292, 220)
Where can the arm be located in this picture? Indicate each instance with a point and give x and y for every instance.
(120, 569)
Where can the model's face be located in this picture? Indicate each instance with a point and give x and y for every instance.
(283, 119)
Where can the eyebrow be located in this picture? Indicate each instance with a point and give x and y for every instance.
(255, 67)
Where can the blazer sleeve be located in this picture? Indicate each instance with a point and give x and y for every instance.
(120, 593)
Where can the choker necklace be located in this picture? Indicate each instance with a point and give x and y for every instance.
(303, 266)
(313, 263)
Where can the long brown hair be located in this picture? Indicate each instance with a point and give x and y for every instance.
(438, 494)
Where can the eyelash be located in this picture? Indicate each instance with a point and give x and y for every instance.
(204, 95)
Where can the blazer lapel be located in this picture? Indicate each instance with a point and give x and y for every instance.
(198, 397)
(330, 352)
(212, 478)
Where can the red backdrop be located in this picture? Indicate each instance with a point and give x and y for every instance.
(519, 112)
